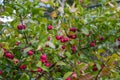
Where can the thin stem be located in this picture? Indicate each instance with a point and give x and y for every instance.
(25, 36)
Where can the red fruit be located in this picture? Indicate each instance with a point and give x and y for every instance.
(94, 41)
(80, 0)
(94, 69)
(78, 62)
(1, 72)
(18, 43)
(119, 39)
(58, 37)
(47, 64)
(94, 65)
(101, 38)
(49, 27)
(43, 61)
(46, 45)
(30, 52)
(43, 57)
(41, 49)
(68, 79)
(66, 39)
(63, 46)
(73, 36)
(21, 27)
(92, 44)
(74, 75)
(62, 40)
(48, 38)
(73, 29)
(16, 61)
(22, 67)
(9, 55)
(39, 69)
(74, 49)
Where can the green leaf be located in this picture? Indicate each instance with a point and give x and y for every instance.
(66, 75)
(24, 77)
(85, 31)
(45, 68)
(1, 53)
(39, 64)
(27, 49)
(60, 63)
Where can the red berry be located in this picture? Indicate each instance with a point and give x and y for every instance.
(94, 41)
(63, 46)
(21, 27)
(48, 38)
(46, 45)
(74, 49)
(62, 40)
(47, 64)
(22, 67)
(49, 27)
(80, 0)
(9, 55)
(18, 43)
(78, 62)
(43, 57)
(73, 29)
(101, 38)
(74, 36)
(58, 37)
(119, 39)
(1, 72)
(66, 39)
(94, 65)
(16, 61)
(39, 69)
(30, 52)
(43, 61)
(68, 79)
(41, 49)
(74, 75)
(94, 69)
(92, 44)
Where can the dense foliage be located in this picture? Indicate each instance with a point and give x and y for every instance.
(60, 40)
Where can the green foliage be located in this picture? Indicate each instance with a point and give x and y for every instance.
(99, 25)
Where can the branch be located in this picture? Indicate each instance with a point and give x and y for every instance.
(21, 19)
(96, 78)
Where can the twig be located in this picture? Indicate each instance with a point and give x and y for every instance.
(21, 19)
(96, 78)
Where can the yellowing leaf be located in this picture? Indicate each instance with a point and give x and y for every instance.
(87, 76)
(105, 72)
(54, 14)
